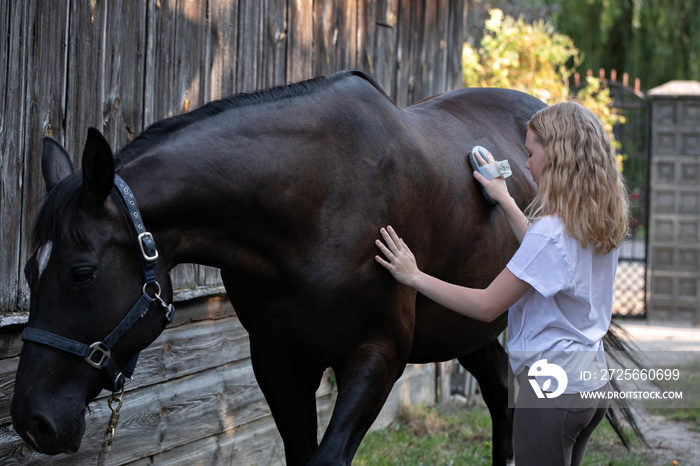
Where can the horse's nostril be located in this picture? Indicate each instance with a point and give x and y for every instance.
(43, 429)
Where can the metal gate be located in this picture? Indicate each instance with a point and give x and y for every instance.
(629, 298)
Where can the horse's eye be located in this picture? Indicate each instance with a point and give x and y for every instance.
(83, 275)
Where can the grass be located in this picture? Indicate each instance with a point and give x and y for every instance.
(605, 449)
(686, 409)
(461, 435)
(430, 436)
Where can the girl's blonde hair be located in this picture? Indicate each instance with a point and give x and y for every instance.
(580, 181)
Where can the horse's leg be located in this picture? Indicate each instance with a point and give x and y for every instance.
(364, 382)
(289, 386)
(489, 365)
(290, 391)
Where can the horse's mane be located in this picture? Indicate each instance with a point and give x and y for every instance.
(155, 132)
(57, 219)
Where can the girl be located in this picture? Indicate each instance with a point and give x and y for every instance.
(557, 287)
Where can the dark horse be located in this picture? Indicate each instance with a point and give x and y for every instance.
(285, 191)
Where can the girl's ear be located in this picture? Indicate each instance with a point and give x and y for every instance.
(98, 169)
(55, 163)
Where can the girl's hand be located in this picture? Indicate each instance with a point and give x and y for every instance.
(495, 188)
(399, 258)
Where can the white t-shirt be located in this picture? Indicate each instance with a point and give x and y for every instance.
(569, 307)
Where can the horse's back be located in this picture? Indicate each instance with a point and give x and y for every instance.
(470, 240)
(447, 127)
(335, 164)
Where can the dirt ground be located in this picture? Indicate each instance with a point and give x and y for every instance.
(669, 440)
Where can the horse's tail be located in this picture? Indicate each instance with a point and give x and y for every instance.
(619, 349)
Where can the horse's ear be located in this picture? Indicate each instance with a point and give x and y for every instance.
(55, 163)
(98, 168)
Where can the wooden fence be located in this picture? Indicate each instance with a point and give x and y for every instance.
(121, 65)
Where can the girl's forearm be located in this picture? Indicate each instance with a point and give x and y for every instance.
(469, 302)
(484, 305)
(516, 219)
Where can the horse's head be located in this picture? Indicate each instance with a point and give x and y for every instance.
(85, 276)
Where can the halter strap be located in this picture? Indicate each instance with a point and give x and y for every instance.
(98, 354)
(145, 239)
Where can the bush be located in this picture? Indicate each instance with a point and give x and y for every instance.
(535, 59)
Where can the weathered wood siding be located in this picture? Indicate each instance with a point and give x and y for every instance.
(121, 65)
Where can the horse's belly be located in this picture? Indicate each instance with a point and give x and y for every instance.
(442, 335)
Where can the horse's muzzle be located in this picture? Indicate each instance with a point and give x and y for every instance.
(37, 426)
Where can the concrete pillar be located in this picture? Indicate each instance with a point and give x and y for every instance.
(674, 222)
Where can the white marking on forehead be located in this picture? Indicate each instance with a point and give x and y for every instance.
(43, 255)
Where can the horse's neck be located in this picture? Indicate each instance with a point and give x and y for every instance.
(196, 202)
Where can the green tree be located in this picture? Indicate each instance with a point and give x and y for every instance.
(517, 55)
(654, 40)
(535, 59)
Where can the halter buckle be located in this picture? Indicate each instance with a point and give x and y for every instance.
(96, 349)
(148, 246)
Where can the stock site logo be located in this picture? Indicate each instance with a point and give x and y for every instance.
(552, 371)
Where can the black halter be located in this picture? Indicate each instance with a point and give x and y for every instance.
(98, 354)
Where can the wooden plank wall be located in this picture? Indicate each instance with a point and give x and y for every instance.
(121, 65)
